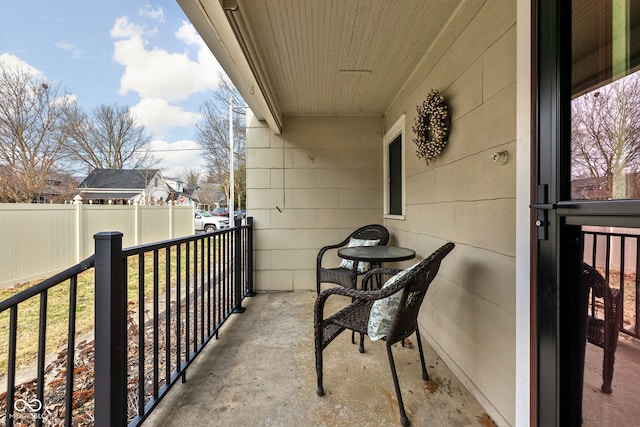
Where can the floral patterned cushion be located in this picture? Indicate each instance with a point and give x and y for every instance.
(363, 267)
(383, 310)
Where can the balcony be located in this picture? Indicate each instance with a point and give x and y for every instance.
(214, 353)
(210, 348)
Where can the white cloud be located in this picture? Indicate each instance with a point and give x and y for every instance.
(150, 12)
(157, 73)
(164, 80)
(67, 98)
(76, 52)
(188, 34)
(12, 61)
(177, 157)
(162, 77)
(158, 115)
(125, 29)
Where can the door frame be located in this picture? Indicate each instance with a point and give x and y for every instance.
(545, 193)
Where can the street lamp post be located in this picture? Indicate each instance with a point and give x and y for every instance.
(231, 172)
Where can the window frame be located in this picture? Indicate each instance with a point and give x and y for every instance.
(397, 129)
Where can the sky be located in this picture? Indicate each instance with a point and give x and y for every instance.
(145, 55)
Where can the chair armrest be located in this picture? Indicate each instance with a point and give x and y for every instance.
(321, 253)
(324, 249)
(355, 294)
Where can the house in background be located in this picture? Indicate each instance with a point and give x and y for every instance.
(180, 194)
(129, 186)
(210, 196)
(59, 188)
(54, 187)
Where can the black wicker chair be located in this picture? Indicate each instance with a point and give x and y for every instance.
(355, 317)
(348, 278)
(603, 332)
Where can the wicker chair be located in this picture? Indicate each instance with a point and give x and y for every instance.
(603, 332)
(348, 278)
(355, 317)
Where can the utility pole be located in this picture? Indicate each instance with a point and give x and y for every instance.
(231, 172)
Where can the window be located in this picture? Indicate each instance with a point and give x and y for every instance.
(605, 90)
(394, 170)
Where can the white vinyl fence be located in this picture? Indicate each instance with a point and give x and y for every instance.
(37, 241)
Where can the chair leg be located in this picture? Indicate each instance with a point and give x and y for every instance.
(425, 374)
(607, 372)
(610, 344)
(353, 341)
(404, 420)
(318, 345)
(612, 321)
(353, 337)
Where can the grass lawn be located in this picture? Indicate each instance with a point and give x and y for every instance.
(57, 319)
(58, 307)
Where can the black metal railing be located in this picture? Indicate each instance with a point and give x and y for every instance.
(177, 310)
(156, 307)
(31, 407)
(615, 253)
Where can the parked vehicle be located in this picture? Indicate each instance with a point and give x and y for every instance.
(239, 214)
(204, 221)
(220, 212)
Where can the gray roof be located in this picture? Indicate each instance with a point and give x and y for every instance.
(106, 196)
(119, 178)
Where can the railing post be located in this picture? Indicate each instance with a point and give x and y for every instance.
(110, 373)
(237, 265)
(250, 256)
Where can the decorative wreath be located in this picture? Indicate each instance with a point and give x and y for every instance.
(431, 126)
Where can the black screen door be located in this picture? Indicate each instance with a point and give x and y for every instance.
(587, 163)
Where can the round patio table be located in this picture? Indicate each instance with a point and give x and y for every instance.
(376, 255)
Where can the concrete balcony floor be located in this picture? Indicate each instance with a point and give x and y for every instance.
(261, 372)
(620, 408)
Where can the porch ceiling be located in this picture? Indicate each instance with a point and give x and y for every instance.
(319, 57)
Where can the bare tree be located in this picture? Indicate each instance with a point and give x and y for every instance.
(213, 135)
(605, 136)
(192, 177)
(31, 116)
(108, 138)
